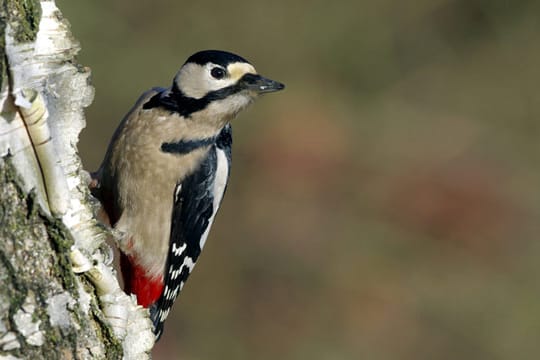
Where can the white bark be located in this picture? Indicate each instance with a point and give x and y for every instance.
(47, 219)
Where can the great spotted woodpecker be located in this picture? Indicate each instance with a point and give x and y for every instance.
(166, 170)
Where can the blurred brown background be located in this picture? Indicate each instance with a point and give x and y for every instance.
(384, 206)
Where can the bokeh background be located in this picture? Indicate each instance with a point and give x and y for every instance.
(384, 206)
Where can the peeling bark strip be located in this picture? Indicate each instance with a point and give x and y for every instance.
(46, 220)
(34, 276)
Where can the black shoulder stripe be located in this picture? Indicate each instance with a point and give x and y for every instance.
(186, 146)
(223, 141)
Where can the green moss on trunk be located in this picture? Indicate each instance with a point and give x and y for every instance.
(35, 267)
(27, 14)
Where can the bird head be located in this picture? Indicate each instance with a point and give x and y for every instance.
(223, 80)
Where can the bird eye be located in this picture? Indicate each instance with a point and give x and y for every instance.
(217, 73)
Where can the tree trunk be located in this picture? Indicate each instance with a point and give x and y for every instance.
(46, 216)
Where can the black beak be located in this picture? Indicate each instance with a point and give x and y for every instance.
(259, 84)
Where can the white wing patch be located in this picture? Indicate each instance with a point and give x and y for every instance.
(178, 273)
(188, 262)
(220, 182)
(178, 250)
(177, 192)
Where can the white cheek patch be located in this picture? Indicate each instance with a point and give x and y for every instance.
(195, 80)
(191, 80)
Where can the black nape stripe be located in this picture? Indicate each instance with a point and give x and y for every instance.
(186, 146)
(175, 101)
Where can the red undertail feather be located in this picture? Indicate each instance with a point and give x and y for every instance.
(148, 290)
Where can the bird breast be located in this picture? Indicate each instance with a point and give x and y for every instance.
(147, 178)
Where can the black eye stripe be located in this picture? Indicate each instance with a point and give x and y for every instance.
(218, 73)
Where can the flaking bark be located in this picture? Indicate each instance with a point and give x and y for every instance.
(46, 310)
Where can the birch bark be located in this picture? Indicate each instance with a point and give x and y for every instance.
(47, 226)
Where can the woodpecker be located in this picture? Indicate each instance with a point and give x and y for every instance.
(166, 170)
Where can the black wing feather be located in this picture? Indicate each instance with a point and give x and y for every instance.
(192, 213)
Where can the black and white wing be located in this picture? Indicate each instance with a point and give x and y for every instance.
(196, 203)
